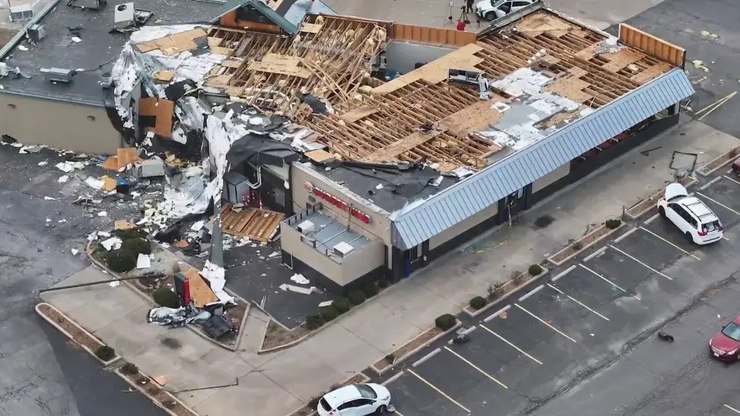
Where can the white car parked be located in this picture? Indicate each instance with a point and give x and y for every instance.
(695, 220)
(494, 9)
(355, 400)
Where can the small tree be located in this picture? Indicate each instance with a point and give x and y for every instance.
(137, 245)
(535, 270)
(613, 223)
(342, 305)
(105, 353)
(129, 369)
(164, 296)
(356, 297)
(120, 260)
(370, 290)
(478, 302)
(445, 322)
(390, 358)
(314, 322)
(329, 313)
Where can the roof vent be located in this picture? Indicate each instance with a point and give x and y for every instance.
(124, 16)
(305, 227)
(58, 74)
(342, 249)
(106, 80)
(36, 33)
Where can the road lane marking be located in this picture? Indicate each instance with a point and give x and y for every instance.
(394, 378)
(708, 184)
(719, 203)
(609, 281)
(426, 357)
(476, 367)
(499, 312)
(731, 408)
(578, 302)
(544, 322)
(625, 235)
(563, 273)
(641, 263)
(688, 253)
(511, 345)
(594, 254)
(727, 177)
(651, 219)
(435, 388)
(398, 413)
(530, 293)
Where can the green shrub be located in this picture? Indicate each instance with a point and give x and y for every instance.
(370, 290)
(445, 322)
(129, 369)
(164, 296)
(577, 245)
(390, 358)
(342, 305)
(137, 245)
(120, 261)
(329, 313)
(382, 283)
(356, 297)
(478, 302)
(613, 223)
(130, 233)
(105, 353)
(535, 270)
(314, 322)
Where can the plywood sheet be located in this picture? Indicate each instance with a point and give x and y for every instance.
(255, 224)
(358, 113)
(174, 44)
(311, 28)
(164, 76)
(620, 59)
(127, 155)
(163, 110)
(200, 293)
(319, 156)
(651, 73)
(543, 22)
(389, 153)
(281, 64)
(436, 71)
(472, 118)
(571, 88)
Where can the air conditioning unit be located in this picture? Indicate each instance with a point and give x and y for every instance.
(342, 249)
(58, 74)
(124, 16)
(306, 227)
(21, 12)
(36, 33)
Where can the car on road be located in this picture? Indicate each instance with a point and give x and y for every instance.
(692, 216)
(725, 344)
(355, 400)
(495, 9)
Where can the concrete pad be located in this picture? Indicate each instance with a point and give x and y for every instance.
(302, 373)
(256, 395)
(130, 335)
(348, 351)
(254, 330)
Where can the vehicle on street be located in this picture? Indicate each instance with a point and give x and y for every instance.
(725, 344)
(495, 9)
(692, 216)
(355, 400)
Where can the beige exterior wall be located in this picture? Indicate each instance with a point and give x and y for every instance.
(462, 226)
(379, 224)
(550, 178)
(357, 264)
(77, 127)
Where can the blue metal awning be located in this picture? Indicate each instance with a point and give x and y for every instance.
(514, 172)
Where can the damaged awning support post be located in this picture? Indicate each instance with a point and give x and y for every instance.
(100, 282)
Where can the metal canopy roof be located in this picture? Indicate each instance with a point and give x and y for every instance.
(512, 173)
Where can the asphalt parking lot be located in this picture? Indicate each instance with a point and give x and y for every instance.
(580, 318)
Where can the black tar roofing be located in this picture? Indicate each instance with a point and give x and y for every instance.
(95, 53)
(400, 185)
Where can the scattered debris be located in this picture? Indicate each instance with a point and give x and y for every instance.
(43, 163)
(68, 167)
(298, 289)
(708, 34)
(325, 303)
(699, 64)
(75, 251)
(114, 283)
(63, 179)
(48, 198)
(300, 279)
(113, 243)
(143, 261)
(102, 214)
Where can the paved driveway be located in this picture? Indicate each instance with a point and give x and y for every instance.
(578, 320)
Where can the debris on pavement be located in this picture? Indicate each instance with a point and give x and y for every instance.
(300, 279)
(143, 261)
(113, 243)
(297, 289)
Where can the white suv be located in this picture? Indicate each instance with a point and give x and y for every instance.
(495, 9)
(356, 400)
(695, 220)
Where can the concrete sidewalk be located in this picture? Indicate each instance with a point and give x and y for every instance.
(277, 383)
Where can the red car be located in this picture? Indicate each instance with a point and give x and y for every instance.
(725, 344)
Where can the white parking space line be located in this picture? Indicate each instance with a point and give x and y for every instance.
(477, 368)
(731, 408)
(594, 254)
(435, 388)
(530, 293)
(578, 302)
(651, 219)
(499, 312)
(398, 413)
(710, 183)
(521, 351)
(426, 357)
(719, 203)
(627, 234)
(609, 281)
(394, 378)
(729, 178)
(688, 253)
(640, 262)
(544, 322)
(563, 273)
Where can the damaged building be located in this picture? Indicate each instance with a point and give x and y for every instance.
(371, 148)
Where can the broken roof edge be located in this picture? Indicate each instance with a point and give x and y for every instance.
(276, 18)
(16, 39)
(61, 100)
(416, 223)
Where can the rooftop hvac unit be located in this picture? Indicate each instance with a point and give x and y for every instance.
(3, 69)
(305, 227)
(58, 74)
(36, 33)
(342, 249)
(21, 12)
(124, 16)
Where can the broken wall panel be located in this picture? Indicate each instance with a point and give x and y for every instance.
(652, 45)
(164, 112)
(438, 36)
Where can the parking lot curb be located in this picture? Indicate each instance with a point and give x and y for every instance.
(513, 291)
(64, 331)
(720, 161)
(653, 199)
(152, 398)
(415, 350)
(575, 253)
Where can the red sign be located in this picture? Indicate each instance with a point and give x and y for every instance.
(338, 203)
